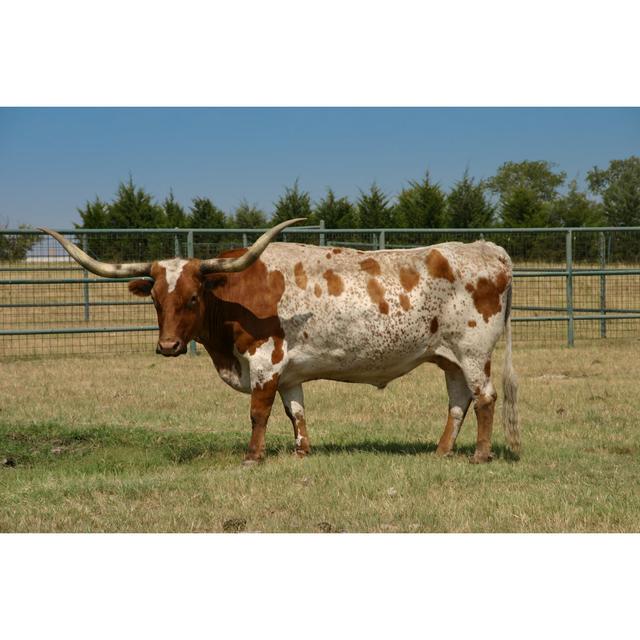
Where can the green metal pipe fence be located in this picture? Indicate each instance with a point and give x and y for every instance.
(571, 284)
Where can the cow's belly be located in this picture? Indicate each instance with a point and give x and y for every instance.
(374, 355)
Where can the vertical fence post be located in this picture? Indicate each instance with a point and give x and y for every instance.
(245, 240)
(381, 242)
(603, 284)
(192, 344)
(322, 239)
(85, 245)
(569, 251)
(176, 245)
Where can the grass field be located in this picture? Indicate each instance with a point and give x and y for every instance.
(142, 443)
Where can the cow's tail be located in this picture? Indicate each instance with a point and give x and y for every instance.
(510, 388)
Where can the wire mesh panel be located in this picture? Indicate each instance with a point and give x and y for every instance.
(606, 285)
(622, 246)
(570, 284)
(50, 305)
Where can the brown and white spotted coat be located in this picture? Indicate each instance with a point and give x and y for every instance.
(303, 313)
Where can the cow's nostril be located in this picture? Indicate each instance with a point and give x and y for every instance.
(169, 347)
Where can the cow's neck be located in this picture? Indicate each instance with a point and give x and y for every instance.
(213, 325)
(217, 336)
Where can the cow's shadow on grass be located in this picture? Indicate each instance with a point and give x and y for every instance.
(405, 449)
(185, 454)
(374, 446)
(108, 446)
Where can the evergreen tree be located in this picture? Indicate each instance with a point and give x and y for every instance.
(94, 215)
(337, 213)
(175, 215)
(205, 215)
(521, 207)
(619, 187)
(421, 206)
(467, 205)
(248, 216)
(373, 209)
(293, 204)
(133, 208)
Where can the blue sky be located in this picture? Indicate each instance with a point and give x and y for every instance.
(54, 160)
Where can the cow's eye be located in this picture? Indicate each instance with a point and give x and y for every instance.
(194, 299)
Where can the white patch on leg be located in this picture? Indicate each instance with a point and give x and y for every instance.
(173, 270)
(457, 415)
(489, 390)
(297, 409)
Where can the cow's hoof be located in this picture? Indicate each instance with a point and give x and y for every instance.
(300, 453)
(443, 453)
(481, 458)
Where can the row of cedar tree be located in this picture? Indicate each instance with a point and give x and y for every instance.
(522, 194)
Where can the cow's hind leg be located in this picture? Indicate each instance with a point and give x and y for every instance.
(478, 378)
(262, 397)
(293, 401)
(459, 401)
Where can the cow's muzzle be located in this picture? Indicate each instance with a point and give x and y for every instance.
(171, 348)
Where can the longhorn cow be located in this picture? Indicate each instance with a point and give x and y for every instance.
(277, 315)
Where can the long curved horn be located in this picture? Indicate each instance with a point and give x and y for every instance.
(127, 270)
(247, 259)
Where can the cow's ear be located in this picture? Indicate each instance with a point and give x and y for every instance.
(141, 288)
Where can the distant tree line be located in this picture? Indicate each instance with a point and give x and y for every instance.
(520, 194)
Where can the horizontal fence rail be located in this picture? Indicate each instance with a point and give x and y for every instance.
(570, 284)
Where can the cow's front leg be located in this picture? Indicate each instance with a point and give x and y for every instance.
(262, 397)
(293, 401)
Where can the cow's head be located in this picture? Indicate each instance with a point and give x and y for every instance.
(176, 286)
